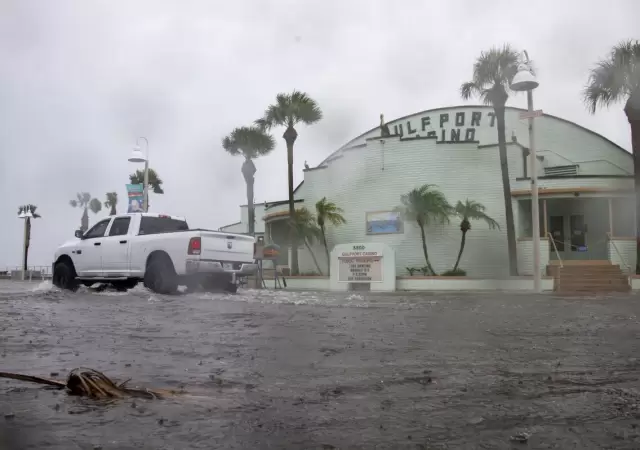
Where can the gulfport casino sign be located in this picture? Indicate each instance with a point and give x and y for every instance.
(446, 126)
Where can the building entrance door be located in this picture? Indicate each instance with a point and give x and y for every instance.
(579, 228)
(556, 229)
(578, 237)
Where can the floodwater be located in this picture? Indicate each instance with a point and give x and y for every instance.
(301, 370)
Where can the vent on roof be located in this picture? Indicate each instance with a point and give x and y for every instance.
(561, 171)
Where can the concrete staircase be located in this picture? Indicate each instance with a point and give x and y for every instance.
(588, 277)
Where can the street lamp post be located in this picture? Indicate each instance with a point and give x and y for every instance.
(137, 157)
(25, 214)
(525, 80)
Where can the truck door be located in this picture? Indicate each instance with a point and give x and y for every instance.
(115, 248)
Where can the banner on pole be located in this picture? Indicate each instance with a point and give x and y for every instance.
(135, 194)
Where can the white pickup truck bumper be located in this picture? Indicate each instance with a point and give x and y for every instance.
(195, 266)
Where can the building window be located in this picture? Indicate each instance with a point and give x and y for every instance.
(384, 222)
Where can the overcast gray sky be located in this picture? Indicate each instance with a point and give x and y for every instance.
(80, 80)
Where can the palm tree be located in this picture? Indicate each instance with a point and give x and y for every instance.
(426, 206)
(112, 202)
(250, 142)
(288, 111)
(467, 211)
(305, 229)
(617, 79)
(82, 202)
(27, 226)
(493, 72)
(328, 213)
(155, 183)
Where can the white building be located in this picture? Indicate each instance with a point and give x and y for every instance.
(586, 191)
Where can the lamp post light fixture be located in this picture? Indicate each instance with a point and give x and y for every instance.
(25, 214)
(525, 80)
(137, 157)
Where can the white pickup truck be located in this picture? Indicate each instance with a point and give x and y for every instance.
(157, 249)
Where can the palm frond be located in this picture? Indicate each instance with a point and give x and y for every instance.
(304, 225)
(289, 110)
(615, 78)
(492, 74)
(425, 205)
(250, 142)
(472, 210)
(329, 212)
(154, 180)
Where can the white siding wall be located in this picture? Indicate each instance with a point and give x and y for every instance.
(525, 256)
(373, 177)
(244, 217)
(235, 228)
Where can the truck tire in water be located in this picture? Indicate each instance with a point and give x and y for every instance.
(64, 276)
(160, 276)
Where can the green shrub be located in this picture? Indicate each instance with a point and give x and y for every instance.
(455, 273)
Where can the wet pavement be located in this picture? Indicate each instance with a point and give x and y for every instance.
(301, 370)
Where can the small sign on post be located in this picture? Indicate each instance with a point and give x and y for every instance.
(530, 114)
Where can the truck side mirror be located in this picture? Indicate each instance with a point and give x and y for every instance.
(79, 234)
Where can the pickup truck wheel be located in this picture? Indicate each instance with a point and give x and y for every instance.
(160, 276)
(231, 288)
(64, 276)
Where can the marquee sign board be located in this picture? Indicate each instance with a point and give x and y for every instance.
(360, 267)
(370, 264)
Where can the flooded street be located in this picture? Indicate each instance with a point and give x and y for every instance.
(300, 370)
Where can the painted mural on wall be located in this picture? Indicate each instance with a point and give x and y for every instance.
(458, 126)
(384, 222)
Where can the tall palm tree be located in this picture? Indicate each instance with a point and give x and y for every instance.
(112, 202)
(82, 201)
(305, 229)
(617, 79)
(493, 72)
(328, 213)
(467, 211)
(27, 226)
(250, 142)
(425, 205)
(288, 111)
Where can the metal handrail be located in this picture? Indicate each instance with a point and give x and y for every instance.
(624, 261)
(45, 271)
(553, 241)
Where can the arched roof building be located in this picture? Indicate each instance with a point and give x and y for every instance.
(585, 180)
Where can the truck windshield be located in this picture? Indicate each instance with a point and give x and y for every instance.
(156, 225)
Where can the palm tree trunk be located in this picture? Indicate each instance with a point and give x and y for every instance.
(313, 256)
(252, 211)
(113, 210)
(27, 224)
(462, 242)
(326, 249)
(290, 137)
(424, 248)
(84, 222)
(635, 146)
(506, 192)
